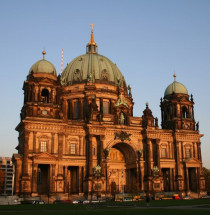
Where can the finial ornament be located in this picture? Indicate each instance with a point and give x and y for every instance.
(174, 77)
(147, 104)
(91, 27)
(44, 53)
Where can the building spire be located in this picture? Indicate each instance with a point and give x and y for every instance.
(92, 47)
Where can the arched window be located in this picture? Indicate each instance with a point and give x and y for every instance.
(45, 96)
(184, 112)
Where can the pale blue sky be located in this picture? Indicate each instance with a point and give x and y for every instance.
(148, 40)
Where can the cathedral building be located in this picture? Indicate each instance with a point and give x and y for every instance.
(78, 135)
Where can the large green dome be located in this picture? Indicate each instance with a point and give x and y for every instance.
(43, 67)
(175, 87)
(92, 66)
(100, 67)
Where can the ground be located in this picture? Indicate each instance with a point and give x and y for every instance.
(164, 207)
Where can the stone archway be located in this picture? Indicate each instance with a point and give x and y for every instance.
(122, 169)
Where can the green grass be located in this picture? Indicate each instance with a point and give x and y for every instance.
(123, 208)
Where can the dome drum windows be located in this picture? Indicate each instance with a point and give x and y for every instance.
(106, 106)
(76, 109)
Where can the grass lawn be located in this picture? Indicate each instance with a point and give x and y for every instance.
(124, 208)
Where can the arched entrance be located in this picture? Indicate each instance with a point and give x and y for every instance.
(122, 169)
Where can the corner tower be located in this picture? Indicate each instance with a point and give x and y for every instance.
(177, 107)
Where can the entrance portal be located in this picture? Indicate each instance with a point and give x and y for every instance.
(122, 169)
(73, 179)
(166, 179)
(43, 185)
(192, 179)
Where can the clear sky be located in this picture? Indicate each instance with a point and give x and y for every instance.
(148, 40)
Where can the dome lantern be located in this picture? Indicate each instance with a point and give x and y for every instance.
(92, 47)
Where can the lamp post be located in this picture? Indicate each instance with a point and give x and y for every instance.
(97, 174)
(106, 154)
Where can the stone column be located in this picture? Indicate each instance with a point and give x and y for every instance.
(103, 159)
(138, 175)
(52, 143)
(149, 154)
(187, 180)
(34, 141)
(52, 178)
(80, 179)
(71, 109)
(60, 145)
(25, 154)
(34, 179)
(53, 95)
(65, 179)
(158, 153)
(36, 92)
(199, 151)
(171, 178)
(17, 176)
(178, 158)
(39, 96)
(65, 107)
(81, 108)
(90, 156)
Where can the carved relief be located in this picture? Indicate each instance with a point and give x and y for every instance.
(104, 75)
(77, 75)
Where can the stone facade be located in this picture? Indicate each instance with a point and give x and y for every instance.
(78, 136)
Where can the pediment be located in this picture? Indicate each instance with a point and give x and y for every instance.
(192, 162)
(44, 156)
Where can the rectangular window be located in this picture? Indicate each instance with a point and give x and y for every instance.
(188, 153)
(105, 107)
(43, 147)
(73, 149)
(163, 153)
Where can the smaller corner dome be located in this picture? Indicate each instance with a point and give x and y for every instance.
(43, 67)
(176, 87)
